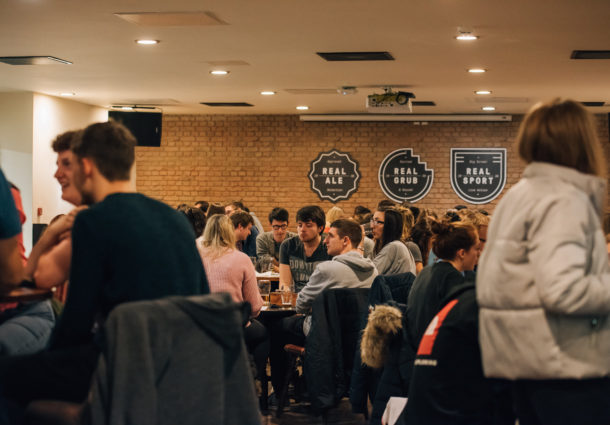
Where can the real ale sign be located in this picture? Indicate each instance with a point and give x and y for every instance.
(334, 175)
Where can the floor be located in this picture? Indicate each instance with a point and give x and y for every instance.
(297, 415)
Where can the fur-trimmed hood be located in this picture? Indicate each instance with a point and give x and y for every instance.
(384, 323)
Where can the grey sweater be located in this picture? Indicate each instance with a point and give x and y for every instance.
(349, 270)
(394, 258)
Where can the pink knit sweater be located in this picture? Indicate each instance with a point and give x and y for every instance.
(232, 273)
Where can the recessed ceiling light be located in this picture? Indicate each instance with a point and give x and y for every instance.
(477, 70)
(488, 108)
(147, 42)
(219, 72)
(483, 92)
(67, 94)
(127, 108)
(302, 108)
(466, 36)
(267, 93)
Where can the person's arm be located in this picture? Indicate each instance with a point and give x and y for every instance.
(86, 278)
(318, 281)
(10, 264)
(559, 249)
(52, 236)
(249, 289)
(54, 265)
(285, 273)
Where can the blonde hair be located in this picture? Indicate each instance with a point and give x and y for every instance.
(335, 213)
(218, 236)
(408, 221)
(561, 132)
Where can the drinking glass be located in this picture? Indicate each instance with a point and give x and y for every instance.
(287, 292)
(264, 287)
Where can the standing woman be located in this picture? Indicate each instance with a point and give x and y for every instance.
(543, 283)
(232, 271)
(391, 255)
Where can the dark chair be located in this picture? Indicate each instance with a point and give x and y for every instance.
(386, 289)
(329, 350)
(175, 360)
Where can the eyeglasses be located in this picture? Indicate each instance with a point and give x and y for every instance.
(375, 222)
(276, 227)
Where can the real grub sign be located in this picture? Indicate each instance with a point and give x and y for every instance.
(478, 176)
(403, 177)
(334, 175)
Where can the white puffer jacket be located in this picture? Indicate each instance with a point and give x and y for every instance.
(543, 283)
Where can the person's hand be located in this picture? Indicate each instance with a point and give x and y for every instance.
(61, 228)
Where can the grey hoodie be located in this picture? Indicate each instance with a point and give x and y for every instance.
(349, 270)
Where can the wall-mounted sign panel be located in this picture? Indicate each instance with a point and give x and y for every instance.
(403, 177)
(334, 176)
(478, 176)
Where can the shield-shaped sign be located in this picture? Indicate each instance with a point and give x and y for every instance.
(478, 176)
(334, 175)
(403, 177)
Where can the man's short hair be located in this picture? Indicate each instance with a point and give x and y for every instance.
(241, 217)
(385, 204)
(111, 147)
(195, 216)
(351, 229)
(312, 213)
(238, 205)
(215, 208)
(63, 142)
(278, 214)
(203, 205)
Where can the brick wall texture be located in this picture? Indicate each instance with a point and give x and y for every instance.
(265, 159)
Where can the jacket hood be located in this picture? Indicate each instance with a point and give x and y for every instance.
(356, 261)
(384, 324)
(592, 185)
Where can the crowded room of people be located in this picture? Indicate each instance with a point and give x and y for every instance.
(344, 213)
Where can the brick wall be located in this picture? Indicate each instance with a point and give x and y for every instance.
(265, 159)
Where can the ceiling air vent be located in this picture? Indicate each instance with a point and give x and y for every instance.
(423, 103)
(355, 56)
(33, 60)
(590, 54)
(593, 103)
(231, 104)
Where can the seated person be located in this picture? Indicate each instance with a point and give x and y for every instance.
(348, 269)
(195, 216)
(391, 255)
(229, 270)
(11, 266)
(120, 253)
(243, 225)
(299, 256)
(25, 327)
(447, 382)
(268, 243)
(257, 228)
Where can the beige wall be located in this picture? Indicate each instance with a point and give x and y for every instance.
(265, 159)
(53, 116)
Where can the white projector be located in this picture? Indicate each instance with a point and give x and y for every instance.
(397, 103)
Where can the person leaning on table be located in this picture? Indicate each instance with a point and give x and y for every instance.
(543, 282)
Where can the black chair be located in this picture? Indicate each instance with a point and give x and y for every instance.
(329, 350)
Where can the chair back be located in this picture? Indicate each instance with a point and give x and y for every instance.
(331, 344)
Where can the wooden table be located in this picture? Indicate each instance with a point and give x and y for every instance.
(275, 277)
(22, 294)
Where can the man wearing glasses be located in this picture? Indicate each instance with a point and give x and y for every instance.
(268, 243)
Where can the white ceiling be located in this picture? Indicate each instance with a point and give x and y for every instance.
(524, 44)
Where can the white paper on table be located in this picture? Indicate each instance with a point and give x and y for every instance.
(393, 410)
(267, 274)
